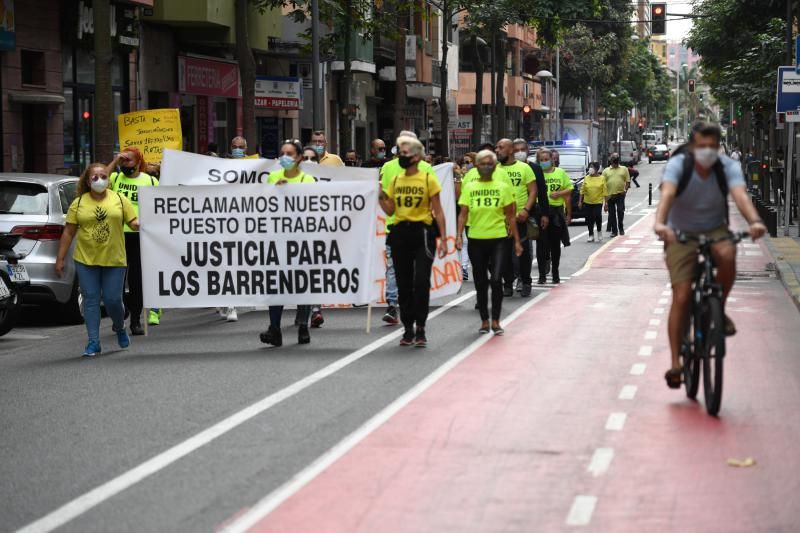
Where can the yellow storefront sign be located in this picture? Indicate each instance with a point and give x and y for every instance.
(151, 131)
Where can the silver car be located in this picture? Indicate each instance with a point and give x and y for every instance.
(35, 206)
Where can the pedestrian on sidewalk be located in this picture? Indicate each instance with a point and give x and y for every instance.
(634, 175)
(413, 198)
(489, 206)
(97, 217)
(618, 181)
(290, 157)
(559, 188)
(694, 200)
(126, 176)
(594, 194)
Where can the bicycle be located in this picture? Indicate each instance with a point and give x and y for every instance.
(705, 345)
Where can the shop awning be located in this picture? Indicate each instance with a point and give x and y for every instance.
(25, 97)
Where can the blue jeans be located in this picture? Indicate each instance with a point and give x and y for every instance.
(105, 282)
(391, 281)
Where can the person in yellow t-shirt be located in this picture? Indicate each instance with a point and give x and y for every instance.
(488, 204)
(594, 194)
(618, 180)
(413, 199)
(97, 217)
(289, 158)
(559, 190)
(320, 145)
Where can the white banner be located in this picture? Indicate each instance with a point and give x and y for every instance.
(186, 168)
(251, 245)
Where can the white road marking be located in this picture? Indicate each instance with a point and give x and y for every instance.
(646, 351)
(658, 311)
(17, 336)
(601, 461)
(628, 392)
(754, 254)
(580, 514)
(638, 369)
(605, 245)
(616, 421)
(749, 245)
(621, 250)
(653, 251)
(666, 293)
(730, 299)
(663, 301)
(270, 502)
(631, 242)
(98, 495)
(650, 335)
(655, 321)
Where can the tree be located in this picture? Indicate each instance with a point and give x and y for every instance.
(247, 72)
(103, 98)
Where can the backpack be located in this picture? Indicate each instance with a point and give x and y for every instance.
(688, 167)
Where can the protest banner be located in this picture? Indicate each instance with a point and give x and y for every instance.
(251, 245)
(152, 131)
(186, 168)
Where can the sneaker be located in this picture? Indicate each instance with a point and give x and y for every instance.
(390, 317)
(518, 285)
(420, 341)
(464, 274)
(92, 349)
(123, 339)
(408, 338)
(730, 327)
(317, 319)
(508, 292)
(136, 328)
(222, 312)
(272, 336)
(613, 235)
(542, 280)
(600, 237)
(590, 239)
(231, 315)
(303, 336)
(526, 290)
(154, 317)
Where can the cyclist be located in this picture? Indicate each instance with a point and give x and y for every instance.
(694, 201)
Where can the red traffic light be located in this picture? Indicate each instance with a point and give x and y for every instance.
(734, 122)
(86, 115)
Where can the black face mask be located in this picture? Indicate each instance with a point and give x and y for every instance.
(127, 170)
(614, 161)
(404, 161)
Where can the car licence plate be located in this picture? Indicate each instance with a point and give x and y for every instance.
(18, 273)
(4, 291)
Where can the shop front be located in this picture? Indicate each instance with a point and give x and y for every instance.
(278, 102)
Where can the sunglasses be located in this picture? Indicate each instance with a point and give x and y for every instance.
(308, 158)
(291, 141)
(97, 177)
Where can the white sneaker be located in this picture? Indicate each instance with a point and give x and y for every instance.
(590, 239)
(230, 314)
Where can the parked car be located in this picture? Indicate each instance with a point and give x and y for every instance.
(659, 152)
(629, 153)
(34, 207)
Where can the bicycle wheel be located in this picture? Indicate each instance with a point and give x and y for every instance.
(690, 356)
(714, 353)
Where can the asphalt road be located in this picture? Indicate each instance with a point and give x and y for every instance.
(71, 425)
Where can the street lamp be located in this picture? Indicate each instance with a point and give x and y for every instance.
(545, 74)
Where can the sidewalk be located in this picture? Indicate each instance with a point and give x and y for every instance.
(786, 251)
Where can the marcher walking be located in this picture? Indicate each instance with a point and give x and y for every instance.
(618, 180)
(594, 194)
(559, 187)
(97, 217)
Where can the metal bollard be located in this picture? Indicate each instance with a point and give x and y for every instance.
(649, 194)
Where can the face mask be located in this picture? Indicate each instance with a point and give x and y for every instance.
(319, 148)
(286, 161)
(521, 156)
(706, 157)
(100, 185)
(485, 171)
(349, 163)
(468, 166)
(381, 155)
(546, 165)
(404, 161)
(237, 153)
(127, 170)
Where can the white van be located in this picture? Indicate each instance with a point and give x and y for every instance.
(650, 138)
(627, 150)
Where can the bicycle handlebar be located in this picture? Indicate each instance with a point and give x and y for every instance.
(734, 236)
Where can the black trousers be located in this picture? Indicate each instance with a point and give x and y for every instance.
(616, 213)
(413, 246)
(549, 244)
(514, 266)
(594, 217)
(134, 299)
(489, 258)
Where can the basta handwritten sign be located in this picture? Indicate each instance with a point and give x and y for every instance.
(152, 131)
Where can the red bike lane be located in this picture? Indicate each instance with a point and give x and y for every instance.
(566, 422)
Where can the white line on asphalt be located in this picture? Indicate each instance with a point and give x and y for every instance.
(655, 321)
(616, 421)
(666, 293)
(270, 502)
(628, 392)
(650, 335)
(663, 301)
(658, 311)
(631, 242)
(580, 514)
(621, 250)
(653, 251)
(98, 495)
(646, 351)
(601, 461)
(638, 369)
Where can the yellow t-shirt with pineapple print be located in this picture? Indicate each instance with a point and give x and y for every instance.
(100, 236)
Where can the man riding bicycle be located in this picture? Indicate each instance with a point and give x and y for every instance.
(694, 201)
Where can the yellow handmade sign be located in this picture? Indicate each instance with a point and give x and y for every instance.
(151, 131)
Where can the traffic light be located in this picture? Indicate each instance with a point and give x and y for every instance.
(526, 109)
(691, 86)
(734, 123)
(658, 19)
(641, 125)
(666, 123)
(86, 115)
(701, 97)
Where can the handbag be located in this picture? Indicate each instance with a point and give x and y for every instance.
(532, 230)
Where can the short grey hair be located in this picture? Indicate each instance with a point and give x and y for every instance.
(413, 144)
(520, 140)
(542, 151)
(484, 154)
(241, 139)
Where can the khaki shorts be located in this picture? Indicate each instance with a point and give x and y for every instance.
(682, 257)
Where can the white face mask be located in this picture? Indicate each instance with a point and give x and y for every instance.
(100, 185)
(521, 156)
(706, 157)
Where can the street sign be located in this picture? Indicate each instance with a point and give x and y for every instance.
(793, 116)
(788, 98)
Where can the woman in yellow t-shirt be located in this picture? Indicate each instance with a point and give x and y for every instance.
(290, 157)
(594, 194)
(413, 198)
(489, 206)
(97, 217)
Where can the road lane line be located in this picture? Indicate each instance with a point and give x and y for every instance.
(658, 311)
(271, 501)
(663, 301)
(601, 461)
(616, 421)
(650, 335)
(98, 495)
(638, 369)
(655, 321)
(600, 250)
(628, 392)
(580, 514)
(646, 351)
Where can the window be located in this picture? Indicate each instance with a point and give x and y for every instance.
(66, 193)
(32, 63)
(23, 198)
